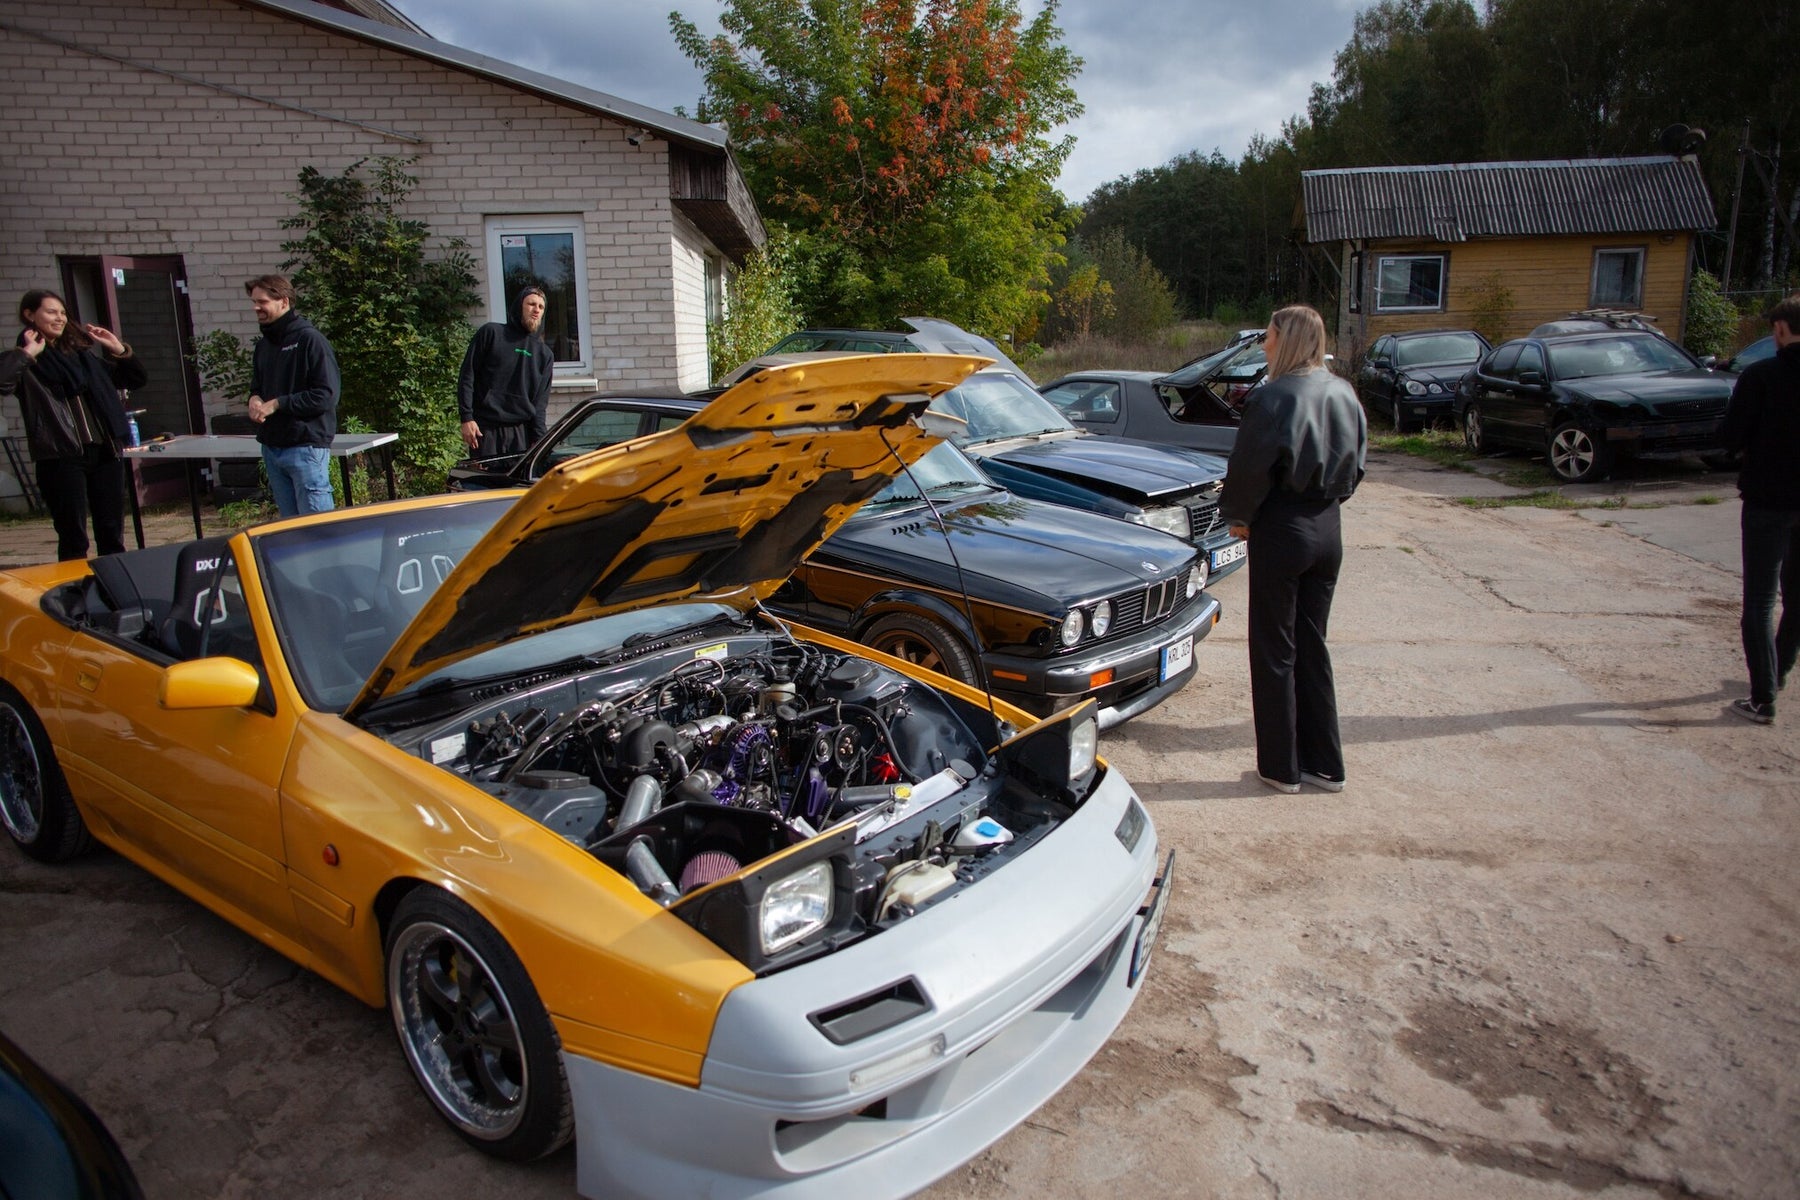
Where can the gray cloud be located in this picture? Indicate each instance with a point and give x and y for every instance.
(1159, 79)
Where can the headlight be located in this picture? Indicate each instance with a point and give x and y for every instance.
(1170, 518)
(1414, 388)
(1072, 625)
(1102, 618)
(1084, 746)
(1196, 581)
(795, 907)
(1435, 387)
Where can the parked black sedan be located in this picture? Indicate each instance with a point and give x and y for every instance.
(1060, 605)
(1583, 399)
(1411, 377)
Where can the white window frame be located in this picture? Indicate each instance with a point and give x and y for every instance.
(569, 223)
(1641, 253)
(1443, 262)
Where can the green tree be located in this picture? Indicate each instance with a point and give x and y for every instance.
(760, 307)
(1712, 321)
(907, 147)
(394, 316)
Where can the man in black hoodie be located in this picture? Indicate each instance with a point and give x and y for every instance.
(1763, 423)
(294, 385)
(504, 388)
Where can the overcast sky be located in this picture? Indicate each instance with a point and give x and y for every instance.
(1161, 78)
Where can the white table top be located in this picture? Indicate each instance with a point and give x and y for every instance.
(243, 445)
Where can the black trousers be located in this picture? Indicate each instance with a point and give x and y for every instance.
(497, 441)
(1771, 546)
(1296, 549)
(74, 489)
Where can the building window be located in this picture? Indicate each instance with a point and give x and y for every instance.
(1618, 278)
(1409, 283)
(548, 252)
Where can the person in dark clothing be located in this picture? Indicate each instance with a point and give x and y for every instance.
(1762, 423)
(503, 393)
(294, 386)
(74, 419)
(1299, 455)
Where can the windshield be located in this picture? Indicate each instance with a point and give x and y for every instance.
(1240, 360)
(343, 592)
(996, 404)
(942, 471)
(1620, 354)
(1440, 349)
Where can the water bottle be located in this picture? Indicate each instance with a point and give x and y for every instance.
(131, 429)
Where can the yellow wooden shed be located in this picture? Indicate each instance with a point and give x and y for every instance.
(1506, 246)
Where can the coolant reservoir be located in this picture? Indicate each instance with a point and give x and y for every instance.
(915, 883)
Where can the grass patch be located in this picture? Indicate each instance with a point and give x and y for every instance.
(1707, 500)
(241, 514)
(1540, 498)
(1441, 446)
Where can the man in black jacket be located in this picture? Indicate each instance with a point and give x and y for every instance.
(1763, 424)
(504, 389)
(294, 387)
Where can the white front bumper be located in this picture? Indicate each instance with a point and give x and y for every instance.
(1026, 974)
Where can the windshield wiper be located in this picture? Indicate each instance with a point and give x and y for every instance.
(957, 485)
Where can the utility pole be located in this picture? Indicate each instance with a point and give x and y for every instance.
(1737, 197)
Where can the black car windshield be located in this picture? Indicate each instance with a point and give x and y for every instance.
(1240, 360)
(1619, 354)
(1438, 350)
(997, 404)
(944, 470)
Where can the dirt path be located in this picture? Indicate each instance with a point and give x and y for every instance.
(1545, 946)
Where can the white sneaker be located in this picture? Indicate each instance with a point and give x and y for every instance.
(1323, 782)
(1287, 789)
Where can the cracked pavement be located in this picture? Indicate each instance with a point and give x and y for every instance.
(1545, 945)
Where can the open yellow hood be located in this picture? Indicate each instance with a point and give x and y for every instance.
(733, 499)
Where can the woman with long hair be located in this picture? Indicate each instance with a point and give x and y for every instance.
(74, 419)
(1299, 455)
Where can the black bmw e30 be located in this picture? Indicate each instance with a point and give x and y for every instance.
(1044, 605)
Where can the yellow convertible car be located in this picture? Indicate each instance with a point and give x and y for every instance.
(743, 908)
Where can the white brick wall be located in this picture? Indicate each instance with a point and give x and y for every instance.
(116, 159)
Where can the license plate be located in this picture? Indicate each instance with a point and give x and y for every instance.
(1153, 915)
(1224, 556)
(1177, 657)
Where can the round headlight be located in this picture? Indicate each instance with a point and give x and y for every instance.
(1196, 580)
(1170, 518)
(1414, 388)
(1072, 625)
(1101, 621)
(1434, 387)
(795, 907)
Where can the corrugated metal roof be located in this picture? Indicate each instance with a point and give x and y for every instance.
(1454, 202)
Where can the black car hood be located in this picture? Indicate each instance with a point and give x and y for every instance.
(1116, 466)
(1446, 374)
(1001, 540)
(1655, 391)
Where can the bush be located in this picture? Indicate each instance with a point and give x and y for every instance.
(760, 307)
(1712, 321)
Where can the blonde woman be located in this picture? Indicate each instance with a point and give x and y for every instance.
(1299, 455)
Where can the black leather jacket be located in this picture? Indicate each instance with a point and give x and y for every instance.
(49, 422)
(1302, 436)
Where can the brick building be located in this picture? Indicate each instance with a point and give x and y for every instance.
(152, 149)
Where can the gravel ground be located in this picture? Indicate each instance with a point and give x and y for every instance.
(1543, 946)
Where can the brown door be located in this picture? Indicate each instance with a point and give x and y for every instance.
(145, 300)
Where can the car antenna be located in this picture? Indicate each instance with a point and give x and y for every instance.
(962, 586)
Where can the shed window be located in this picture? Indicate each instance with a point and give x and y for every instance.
(1410, 283)
(1618, 278)
(552, 253)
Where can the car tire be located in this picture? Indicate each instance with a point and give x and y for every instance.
(35, 805)
(924, 643)
(1474, 436)
(1722, 460)
(474, 1031)
(1575, 455)
(1399, 417)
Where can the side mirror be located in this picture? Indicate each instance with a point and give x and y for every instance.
(1709, 361)
(1532, 379)
(209, 683)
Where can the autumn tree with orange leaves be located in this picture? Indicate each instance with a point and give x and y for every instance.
(908, 147)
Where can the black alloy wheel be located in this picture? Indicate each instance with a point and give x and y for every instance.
(474, 1031)
(924, 643)
(35, 806)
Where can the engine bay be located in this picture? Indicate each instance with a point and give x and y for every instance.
(691, 765)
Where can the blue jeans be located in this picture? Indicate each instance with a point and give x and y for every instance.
(1771, 562)
(300, 477)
